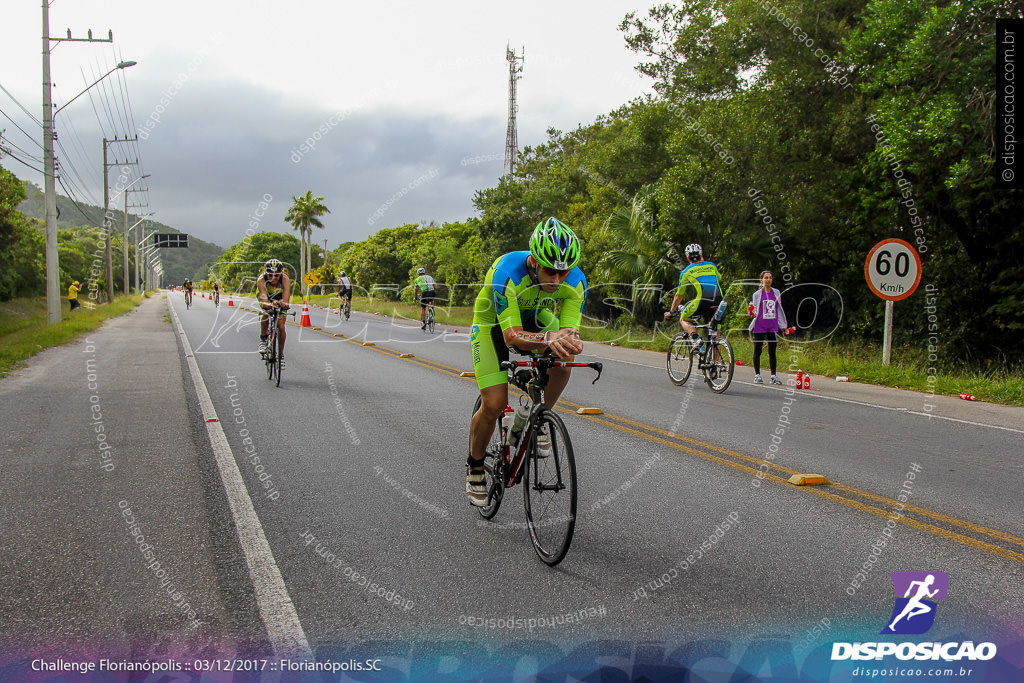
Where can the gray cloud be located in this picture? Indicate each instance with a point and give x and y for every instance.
(220, 146)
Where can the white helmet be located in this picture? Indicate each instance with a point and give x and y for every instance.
(421, 271)
(694, 252)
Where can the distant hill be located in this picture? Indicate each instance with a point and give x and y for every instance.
(178, 263)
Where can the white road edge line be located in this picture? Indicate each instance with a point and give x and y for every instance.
(841, 400)
(287, 639)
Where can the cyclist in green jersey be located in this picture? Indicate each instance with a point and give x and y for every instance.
(515, 308)
(705, 281)
(425, 291)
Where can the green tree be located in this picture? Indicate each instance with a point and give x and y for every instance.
(304, 215)
(242, 263)
(643, 255)
(927, 68)
(381, 263)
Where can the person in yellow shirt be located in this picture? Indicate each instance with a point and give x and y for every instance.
(73, 295)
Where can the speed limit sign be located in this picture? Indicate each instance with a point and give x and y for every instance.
(893, 269)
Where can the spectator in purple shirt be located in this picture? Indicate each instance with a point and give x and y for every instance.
(768, 318)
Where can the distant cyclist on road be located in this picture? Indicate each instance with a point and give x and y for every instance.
(344, 288)
(273, 288)
(515, 307)
(216, 292)
(187, 286)
(703, 277)
(425, 291)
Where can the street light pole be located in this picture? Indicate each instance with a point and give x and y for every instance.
(53, 313)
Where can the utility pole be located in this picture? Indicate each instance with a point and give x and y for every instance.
(53, 313)
(124, 240)
(49, 183)
(515, 67)
(108, 217)
(124, 235)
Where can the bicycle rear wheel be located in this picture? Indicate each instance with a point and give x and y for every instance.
(549, 492)
(680, 359)
(494, 469)
(720, 365)
(430, 320)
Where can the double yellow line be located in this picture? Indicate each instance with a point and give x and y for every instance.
(954, 529)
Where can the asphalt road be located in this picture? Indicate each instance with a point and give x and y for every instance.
(360, 474)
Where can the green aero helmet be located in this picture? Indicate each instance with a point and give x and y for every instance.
(554, 245)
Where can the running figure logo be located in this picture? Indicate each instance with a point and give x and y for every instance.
(916, 593)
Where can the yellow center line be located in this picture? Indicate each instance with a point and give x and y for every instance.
(977, 528)
(695, 442)
(823, 493)
(673, 441)
(935, 515)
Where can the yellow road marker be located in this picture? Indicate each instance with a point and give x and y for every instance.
(808, 480)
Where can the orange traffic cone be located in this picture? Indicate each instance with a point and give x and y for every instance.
(230, 301)
(305, 322)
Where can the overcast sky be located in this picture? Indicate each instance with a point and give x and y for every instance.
(412, 96)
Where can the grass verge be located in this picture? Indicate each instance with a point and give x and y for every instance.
(24, 331)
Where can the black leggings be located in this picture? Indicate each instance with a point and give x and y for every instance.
(760, 338)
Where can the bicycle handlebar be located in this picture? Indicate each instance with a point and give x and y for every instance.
(545, 363)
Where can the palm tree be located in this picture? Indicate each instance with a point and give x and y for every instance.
(647, 256)
(304, 214)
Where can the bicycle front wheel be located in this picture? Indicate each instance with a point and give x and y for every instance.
(270, 357)
(720, 365)
(279, 362)
(680, 359)
(494, 468)
(549, 491)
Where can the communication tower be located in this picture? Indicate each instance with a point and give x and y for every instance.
(515, 68)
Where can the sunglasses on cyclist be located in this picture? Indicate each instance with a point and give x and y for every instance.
(552, 272)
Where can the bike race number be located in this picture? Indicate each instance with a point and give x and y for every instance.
(893, 269)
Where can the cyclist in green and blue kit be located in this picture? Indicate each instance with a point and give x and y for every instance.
(703, 277)
(516, 307)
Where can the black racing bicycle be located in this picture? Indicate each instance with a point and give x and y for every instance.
(274, 355)
(712, 353)
(549, 493)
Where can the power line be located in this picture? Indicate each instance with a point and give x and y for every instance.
(33, 139)
(15, 157)
(25, 153)
(70, 196)
(27, 112)
(75, 173)
(76, 141)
